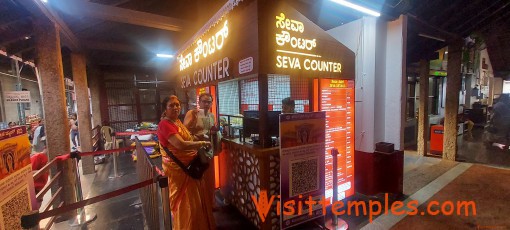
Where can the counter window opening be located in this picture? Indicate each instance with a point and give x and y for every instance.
(240, 96)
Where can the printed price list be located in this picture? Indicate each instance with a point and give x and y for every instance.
(337, 99)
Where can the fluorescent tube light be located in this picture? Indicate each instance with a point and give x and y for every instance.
(431, 37)
(357, 7)
(164, 55)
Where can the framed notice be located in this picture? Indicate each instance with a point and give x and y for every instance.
(302, 143)
(17, 96)
(17, 194)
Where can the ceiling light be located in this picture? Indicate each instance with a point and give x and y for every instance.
(357, 7)
(164, 55)
(45, 1)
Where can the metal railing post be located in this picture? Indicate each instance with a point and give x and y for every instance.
(149, 194)
(165, 202)
(116, 174)
(82, 217)
(334, 154)
(69, 184)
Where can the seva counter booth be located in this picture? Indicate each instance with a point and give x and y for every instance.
(250, 56)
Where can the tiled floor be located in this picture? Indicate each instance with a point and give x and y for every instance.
(486, 187)
(474, 151)
(423, 178)
(119, 212)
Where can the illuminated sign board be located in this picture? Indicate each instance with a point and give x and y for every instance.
(438, 73)
(216, 70)
(204, 48)
(291, 38)
(337, 99)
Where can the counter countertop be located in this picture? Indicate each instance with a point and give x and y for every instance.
(251, 147)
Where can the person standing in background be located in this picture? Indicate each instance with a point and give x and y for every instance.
(75, 135)
(199, 122)
(39, 139)
(500, 122)
(288, 105)
(189, 201)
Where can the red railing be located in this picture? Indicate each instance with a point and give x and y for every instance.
(57, 205)
(55, 182)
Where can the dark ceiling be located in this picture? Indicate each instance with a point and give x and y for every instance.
(130, 32)
(448, 19)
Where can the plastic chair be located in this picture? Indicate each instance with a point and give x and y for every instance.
(107, 132)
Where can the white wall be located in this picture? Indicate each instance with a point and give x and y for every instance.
(498, 85)
(396, 84)
(354, 35)
(11, 110)
(378, 50)
(380, 81)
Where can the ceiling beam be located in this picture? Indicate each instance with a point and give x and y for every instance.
(80, 27)
(503, 10)
(10, 38)
(109, 46)
(38, 8)
(125, 63)
(12, 22)
(473, 18)
(425, 27)
(117, 14)
(20, 52)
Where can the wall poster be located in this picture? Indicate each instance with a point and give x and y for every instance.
(17, 194)
(301, 167)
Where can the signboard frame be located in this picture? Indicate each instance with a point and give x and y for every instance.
(17, 193)
(302, 143)
(17, 97)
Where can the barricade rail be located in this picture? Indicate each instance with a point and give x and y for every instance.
(151, 197)
(56, 182)
(96, 138)
(153, 200)
(56, 199)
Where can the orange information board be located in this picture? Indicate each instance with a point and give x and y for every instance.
(337, 99)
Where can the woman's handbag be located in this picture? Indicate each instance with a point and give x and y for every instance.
(196, 167)
(215, 140)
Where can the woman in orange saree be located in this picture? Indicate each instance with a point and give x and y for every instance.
(191, 207)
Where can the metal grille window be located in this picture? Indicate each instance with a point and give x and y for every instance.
(122, 113)
(123, 126)
(148, 102)
(283, 86)
(119, 93)
(278, 89)
(121, 105)
(147, 95)
(249, 94)
(228, 95)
